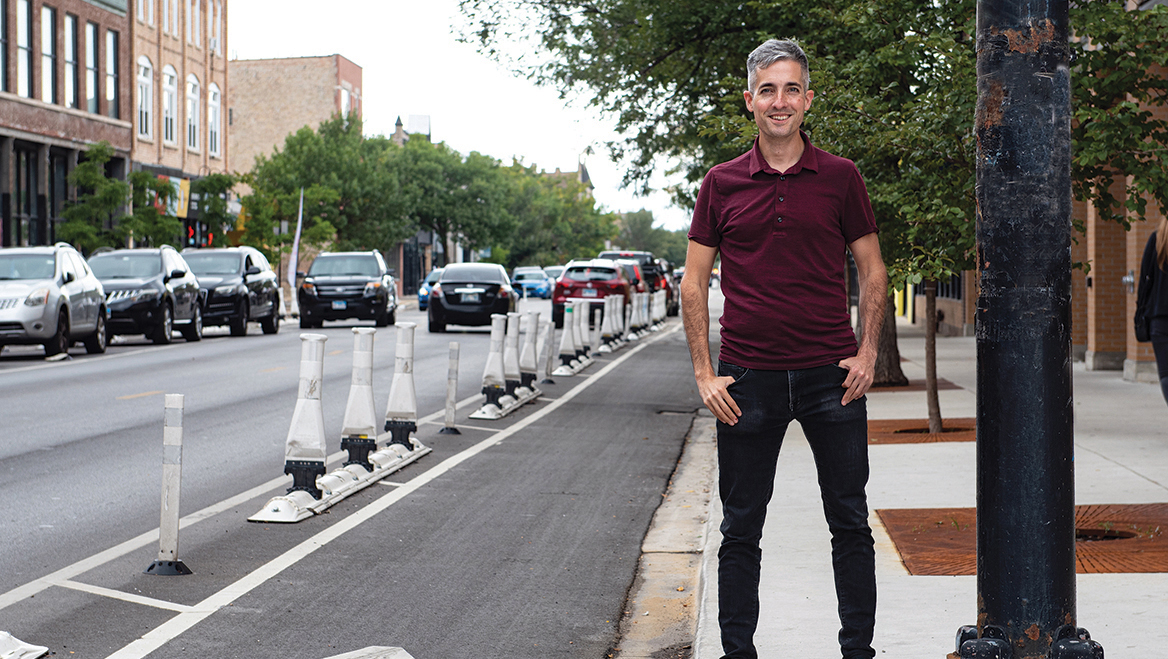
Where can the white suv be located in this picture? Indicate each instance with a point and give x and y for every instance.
(49, 296)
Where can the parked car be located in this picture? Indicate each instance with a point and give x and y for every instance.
(532, 281)
(553, 272)
(632, 270)
(151, 291)
(49, 295)
(238, 285)
(424, 289)
(341, 285)
(591, 280)
(655, 274)
(468, 293)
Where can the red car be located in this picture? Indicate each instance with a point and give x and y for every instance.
(591, 280)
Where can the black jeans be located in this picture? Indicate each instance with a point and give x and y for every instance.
(1159, 332)
(748, 453)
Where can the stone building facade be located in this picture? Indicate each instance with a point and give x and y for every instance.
(275, 97)
(64, 85)
(181, 96)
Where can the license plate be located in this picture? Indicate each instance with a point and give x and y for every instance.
(340, 304)
(470, 298)
(588, 292)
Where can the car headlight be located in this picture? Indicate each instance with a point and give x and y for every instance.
(38, 298)
(372, 288)
(145, 294)
(230, 289)
(309, 289)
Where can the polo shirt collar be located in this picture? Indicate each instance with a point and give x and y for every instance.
(807, 161)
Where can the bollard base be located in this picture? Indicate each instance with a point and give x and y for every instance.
(547, 381)
(1075, 643)
(399, 430)
(168, 568)
(1070, 643)
(359, 449)
(450, 431)
(304, 475)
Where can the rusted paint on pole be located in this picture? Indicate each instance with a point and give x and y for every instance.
(1025, 440)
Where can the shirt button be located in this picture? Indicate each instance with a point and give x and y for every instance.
(782, 178)
(780, 220)
(780, 198)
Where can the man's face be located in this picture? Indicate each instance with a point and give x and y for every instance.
(779, 100)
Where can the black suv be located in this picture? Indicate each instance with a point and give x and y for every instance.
(150, 291)
(238, 285)
(656, 275)
(342, 285)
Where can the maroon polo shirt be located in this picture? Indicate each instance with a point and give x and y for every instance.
(783, 239)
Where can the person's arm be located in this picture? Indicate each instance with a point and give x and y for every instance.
(695, 315)
(873, 281)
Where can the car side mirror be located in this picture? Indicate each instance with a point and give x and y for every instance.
(68, 277)
(177, 273)
(253, 270)
(300, 274)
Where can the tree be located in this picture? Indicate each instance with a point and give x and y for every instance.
(214, 191)
(148, 223)
(896, 95)
(90, 220)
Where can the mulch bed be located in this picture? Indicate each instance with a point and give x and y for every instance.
(916, 431)
(1111, 539)
(913, 385)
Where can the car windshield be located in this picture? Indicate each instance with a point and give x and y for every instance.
(590, 273)
(433, 276)
(472, 272)
(341, 265)
(125, 266)
(554, 271)
(530, 275)
(26, 266)
(213, 263)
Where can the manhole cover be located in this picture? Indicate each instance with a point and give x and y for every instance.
(916, 431)
(1110, 539)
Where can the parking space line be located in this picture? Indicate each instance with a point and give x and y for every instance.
(119, 595)
(180, 623)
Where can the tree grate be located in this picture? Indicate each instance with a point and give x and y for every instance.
(916, 431)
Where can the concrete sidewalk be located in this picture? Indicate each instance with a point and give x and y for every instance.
(1121, 449)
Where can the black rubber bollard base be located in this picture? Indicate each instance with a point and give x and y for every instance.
(450, 431)
(168, 568)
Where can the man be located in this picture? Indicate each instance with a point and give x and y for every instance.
(782, 215)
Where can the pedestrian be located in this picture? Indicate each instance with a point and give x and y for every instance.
(782, 216)
(1152, 298)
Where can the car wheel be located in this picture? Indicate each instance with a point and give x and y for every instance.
(60, 341)
(238, 324)
(163, 329)
(306, 322)
(558, 317)
(95, 343)
(193, 331)
(383, 318)
(271, 324)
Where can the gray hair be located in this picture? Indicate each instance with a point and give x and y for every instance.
(771, 51)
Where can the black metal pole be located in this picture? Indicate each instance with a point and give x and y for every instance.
(1025, 449)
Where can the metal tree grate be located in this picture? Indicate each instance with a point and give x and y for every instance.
(916, 431)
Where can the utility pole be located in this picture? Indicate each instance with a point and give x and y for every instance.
(1025, 431)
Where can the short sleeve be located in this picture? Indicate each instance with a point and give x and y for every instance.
(858, 219)
(704, 226)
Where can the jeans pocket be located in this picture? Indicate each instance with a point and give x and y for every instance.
(737, 372)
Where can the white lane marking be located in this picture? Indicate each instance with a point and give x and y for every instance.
(443, 423)
(133, 544)
(180, 623)
(119, 595)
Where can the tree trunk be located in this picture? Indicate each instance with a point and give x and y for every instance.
(934, 402)
(888, 372)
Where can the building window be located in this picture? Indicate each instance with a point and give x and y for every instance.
(174, 16)
(166, 17)
(24, 48)
(112, 97)
(218, 46)
(48, 54)
(91, 56)
(145, 97)
(3, 45)
(169, 104)
(213, 104)
(192, 113)
(70, 61)
(150, 12)
(345, 102)
(140, 10)
(194, 11)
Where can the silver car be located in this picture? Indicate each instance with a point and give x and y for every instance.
(48, 295)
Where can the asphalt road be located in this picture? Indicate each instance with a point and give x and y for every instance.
(517, 538)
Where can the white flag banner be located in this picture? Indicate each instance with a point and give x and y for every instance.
(296, 247)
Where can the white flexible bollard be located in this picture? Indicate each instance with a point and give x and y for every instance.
(10, 646)
(529, 354)
(618, 322)
(605, 344)
(401, 411)
(580, 315)
(359, 428)
(586, 330)
(168, 562)
(634, 307)
(511, 377)
(494, 381)
(448, 427)
(549, 353)
(567, 345)
(594, 341)
(304, 453)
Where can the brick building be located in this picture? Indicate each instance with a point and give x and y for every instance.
(275, 97)
(181, 95)
(64, 85)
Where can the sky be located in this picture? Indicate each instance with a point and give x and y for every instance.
(413, 64)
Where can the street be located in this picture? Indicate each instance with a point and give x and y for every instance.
(519, 537)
